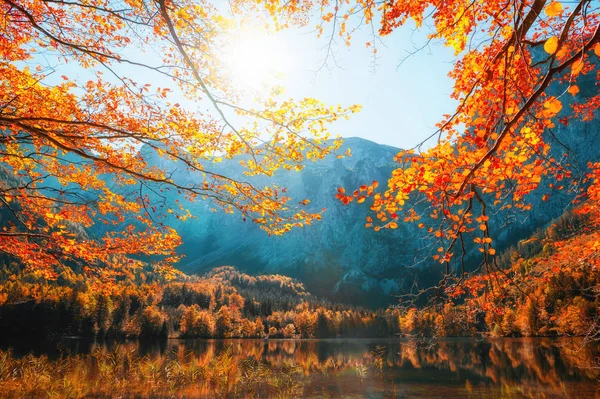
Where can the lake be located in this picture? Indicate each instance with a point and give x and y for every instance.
(357, 368)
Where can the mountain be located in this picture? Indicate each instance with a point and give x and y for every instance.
(338, 256)
(341, 258)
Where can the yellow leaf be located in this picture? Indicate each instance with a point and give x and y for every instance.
(492, 251)
(597, 49)
(553, 9)
(551, 45)
(393, 225)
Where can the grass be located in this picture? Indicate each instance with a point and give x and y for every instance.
(122, 372)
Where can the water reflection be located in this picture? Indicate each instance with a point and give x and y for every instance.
(462, 368)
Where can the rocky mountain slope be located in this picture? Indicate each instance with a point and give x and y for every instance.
(339, 256)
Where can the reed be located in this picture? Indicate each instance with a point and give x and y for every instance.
(122, 372)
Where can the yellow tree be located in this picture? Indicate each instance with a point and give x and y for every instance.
(78, 99)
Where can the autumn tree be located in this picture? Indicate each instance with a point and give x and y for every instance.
(259, 328)
(516, 74)
(89, 91)
(289, 331)
(224, 323)
(305, 323)
(153, 323)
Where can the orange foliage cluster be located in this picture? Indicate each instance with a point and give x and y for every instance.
(511, 56)
(548, 285)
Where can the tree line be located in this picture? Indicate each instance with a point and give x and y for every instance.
(546, 287)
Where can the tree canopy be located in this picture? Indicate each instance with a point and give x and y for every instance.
(85, 85)
(64, 138)
(517, 65)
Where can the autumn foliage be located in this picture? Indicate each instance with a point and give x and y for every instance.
(516, 77)
(85, 85)
(225, 303)
(90, 90)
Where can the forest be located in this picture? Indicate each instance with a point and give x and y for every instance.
(542, 291)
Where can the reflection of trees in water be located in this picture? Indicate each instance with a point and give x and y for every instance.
(257, 368)
(530, 365)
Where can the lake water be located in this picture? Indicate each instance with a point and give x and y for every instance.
(454, 368)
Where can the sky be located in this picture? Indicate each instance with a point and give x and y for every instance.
(402, 101)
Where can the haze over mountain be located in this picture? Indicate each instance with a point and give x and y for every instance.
(336, 255)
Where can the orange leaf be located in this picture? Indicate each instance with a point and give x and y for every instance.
(553, 9)
(573, 90)
(577, 67)
(552, 106)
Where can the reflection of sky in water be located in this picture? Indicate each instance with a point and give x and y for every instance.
(364, 368)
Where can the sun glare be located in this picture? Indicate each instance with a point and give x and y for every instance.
(255, 60)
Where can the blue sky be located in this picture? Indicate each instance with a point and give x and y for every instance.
(401, 102)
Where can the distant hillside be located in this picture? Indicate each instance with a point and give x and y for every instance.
(224, 303)
(548, 286)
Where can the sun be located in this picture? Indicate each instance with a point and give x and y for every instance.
(254, 59)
